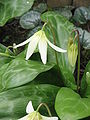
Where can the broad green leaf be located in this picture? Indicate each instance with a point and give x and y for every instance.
(82, 15)
(87, 91)
(85, 84)
(30, 20)
(84, 38)
(83, 80)
(62, 29)
(70, 106)
(4, 59)
(13, 102)
(20, 72)
(2, 71)
(13, 8)
(49, 77)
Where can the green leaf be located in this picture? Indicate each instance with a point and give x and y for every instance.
(4, 59)
(13, 102)
(82, 15)
(62, 29)
(13, 8)
(83, 80)
(70, 106)
(2, 71)
(49, 77)
(20, 72)
(30, 20)
(84, 38)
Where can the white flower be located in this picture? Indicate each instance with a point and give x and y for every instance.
(33, 115)
(40, 39)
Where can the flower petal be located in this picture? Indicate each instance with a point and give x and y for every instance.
(49, 118)
(56, 48)
(24, 118)
(29, 108)
(23, 43)
(43, 50)
(31, 47)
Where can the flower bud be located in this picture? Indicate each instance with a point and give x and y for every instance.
(34, 116)
(72, 51)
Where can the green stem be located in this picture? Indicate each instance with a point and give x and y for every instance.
(43, 104)
(54, 40)
(78, 68)
(44, 26)
(78, 76)
(6, 55)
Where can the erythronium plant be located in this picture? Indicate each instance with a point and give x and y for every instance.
(40, 39)
(35, 115)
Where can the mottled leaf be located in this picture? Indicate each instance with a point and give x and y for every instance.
(20, 72)
(13, 102)
(60, 29)
(82, 15)
(30, 20)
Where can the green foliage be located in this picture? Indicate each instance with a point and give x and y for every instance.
(30, 20)
(13, 8)
(82, 15)
(62, 29)
(70, 106)
(13, 102)
(22, 81)
(4, 59)
(20, 72)
(85, 85)
(83, 81)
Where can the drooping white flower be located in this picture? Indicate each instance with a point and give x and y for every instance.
(33, 115)
(40, 39)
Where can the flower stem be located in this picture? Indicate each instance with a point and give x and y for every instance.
(78, 76)
(6, 55)
(54, 40)
(44, 104)
(78, 68)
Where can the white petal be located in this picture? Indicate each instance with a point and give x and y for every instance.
(23, 43)
(49, 118)
(24, 118)
(29, 108)
(56, 48)
(31, 47)
(43, 50)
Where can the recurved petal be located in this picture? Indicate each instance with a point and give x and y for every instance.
(24, 118)
(29, 108)
(43, 50)
(49, 118)
(23, 43)
(31, 47)
(56, 48)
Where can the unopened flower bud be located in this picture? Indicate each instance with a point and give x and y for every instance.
(72, 52)
(34, 116)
